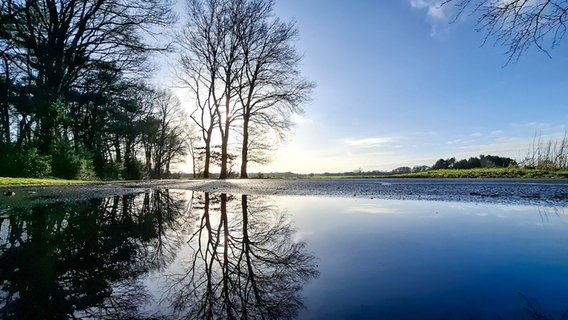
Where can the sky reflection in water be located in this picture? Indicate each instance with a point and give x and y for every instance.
(432, 260)
(178, 254)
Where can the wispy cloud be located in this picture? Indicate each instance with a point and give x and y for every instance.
(369, 142)
(300, 119)
(437, 16)
(434, 8)
(497, 132)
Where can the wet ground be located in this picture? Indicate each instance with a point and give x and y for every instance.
(511, 191)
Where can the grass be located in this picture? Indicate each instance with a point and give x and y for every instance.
(513, 172)
(4, 181)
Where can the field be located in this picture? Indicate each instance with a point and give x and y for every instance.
(487, 173)
(513, 172)
(35, 181)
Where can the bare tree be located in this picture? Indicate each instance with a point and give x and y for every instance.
(271, 88)
(519, 24)
(262, 143)
(240, 63)
(199, 61)
(193, 140)
(167, 144)
(230, 17)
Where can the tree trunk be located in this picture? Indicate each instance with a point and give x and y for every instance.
(244, 153)
(207, 157)
(224, 154)
(47, 128)
(225, 139)
(5, 110)
(117, 148)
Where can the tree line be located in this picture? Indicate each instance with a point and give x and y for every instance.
(74, 102)
(482, 161)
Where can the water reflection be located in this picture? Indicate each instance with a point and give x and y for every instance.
(244, 262)
(84, 259)
(92, 259)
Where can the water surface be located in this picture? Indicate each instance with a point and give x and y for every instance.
(177, 254)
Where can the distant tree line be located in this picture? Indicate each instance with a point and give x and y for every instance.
(474, 162)
(483, 161)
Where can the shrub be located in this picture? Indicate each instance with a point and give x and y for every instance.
(24, 163)
(72, 166)
(113, 171)
(133, 170)
(69, 164)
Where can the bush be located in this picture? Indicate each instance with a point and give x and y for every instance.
(25, 164)
(133, 170)
(71, 165)
(112, 171)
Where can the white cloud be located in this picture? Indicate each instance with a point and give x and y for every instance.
(369, 142)
(300, 119)
(497, 132)
(436, 15)
(434, 8)
(437, 12)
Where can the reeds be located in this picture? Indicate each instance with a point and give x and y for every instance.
(547, 154)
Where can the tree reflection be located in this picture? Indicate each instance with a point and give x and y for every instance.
(83, 260)
(245, 263)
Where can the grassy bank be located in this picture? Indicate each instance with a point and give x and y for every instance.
(487, 173)
(33, 181)
(513, 172)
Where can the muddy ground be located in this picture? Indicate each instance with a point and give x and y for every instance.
(508, 191)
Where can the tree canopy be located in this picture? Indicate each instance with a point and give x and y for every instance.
(71, 102)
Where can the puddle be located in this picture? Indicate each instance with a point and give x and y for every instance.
(177, 254)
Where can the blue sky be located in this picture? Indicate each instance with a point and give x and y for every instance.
(399, 85)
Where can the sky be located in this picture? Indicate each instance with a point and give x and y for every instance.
(398, 84)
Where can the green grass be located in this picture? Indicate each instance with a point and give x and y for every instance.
(513, 172)
(33, 181)
(487, 173)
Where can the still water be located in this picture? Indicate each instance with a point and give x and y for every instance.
(178, 254)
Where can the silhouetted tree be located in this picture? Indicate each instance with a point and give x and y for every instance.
(54, 46)
(401, 170)
(200, 61)
(165, 141)
(270, 87)
(440, 164)
(240, 64)
(474, 162)
(420, 168)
